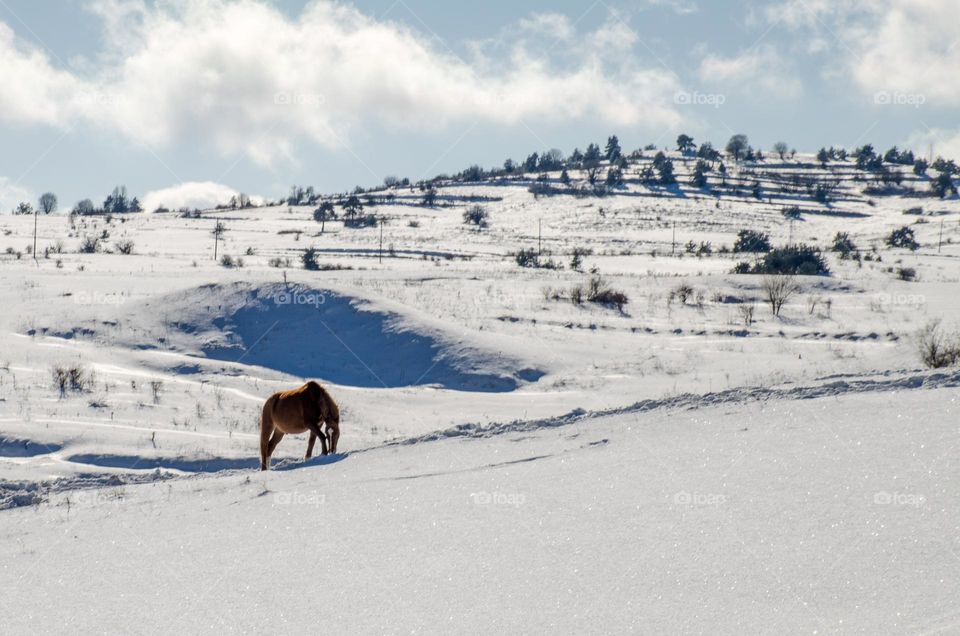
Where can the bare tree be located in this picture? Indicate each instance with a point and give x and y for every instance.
(937, 349)
(218, 231)
(778, 288)
(781, 148)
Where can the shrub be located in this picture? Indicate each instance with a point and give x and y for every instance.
(903, 237)
(227, 261)
(751, 241)
(90, 244)
(125, 247)
(598, 291)
(361, 221)
(279, 262)
(937, 349)
(742, 267)
(843, 244)
(476, 215)
(907, 274)
(802, 260)
(778, 289)
(72, 378)
(683, 292)
(309, 259)
(791, 212)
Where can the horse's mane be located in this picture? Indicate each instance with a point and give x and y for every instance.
(331, 408)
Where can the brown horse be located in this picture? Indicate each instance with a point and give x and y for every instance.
(290, 412)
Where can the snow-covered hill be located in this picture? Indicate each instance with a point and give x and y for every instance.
(512, 460)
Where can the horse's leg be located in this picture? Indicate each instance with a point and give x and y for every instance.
(266, 428)
(316, 430)
(313, 439)
(334, 437)
(277, 436)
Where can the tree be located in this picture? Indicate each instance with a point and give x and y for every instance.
(218, 230)
(593, 173)
(352, 206)
(592, 155)
(613, 150)
(135, 205)
(324, 213)
(430, 196)
(943, 185)
(778, 288)
(84, 208)
(699, 177)
(823, 157)
(866, 157)
(531, 163)
(738, 146)
(920, 167)
(751, 241)
(116, 202)
(614, 177)
(48, 202)
(708, 152)
(664, 167)
(565, 177)
(23, 209)
(685, 144)
(903, 237)
(781, 148)
(509, 166)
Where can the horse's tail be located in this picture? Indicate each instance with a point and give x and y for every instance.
(266, 415)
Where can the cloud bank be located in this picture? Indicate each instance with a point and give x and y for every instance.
(246, 80)
(193, 194)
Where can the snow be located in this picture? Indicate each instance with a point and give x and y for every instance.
(511, 462)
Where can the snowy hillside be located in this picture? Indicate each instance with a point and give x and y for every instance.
(514, 458)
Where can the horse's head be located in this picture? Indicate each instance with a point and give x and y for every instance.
(329, 413)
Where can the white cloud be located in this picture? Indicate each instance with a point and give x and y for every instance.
(945, 143)
(11, 194)
(898, 46)
(247, 80)
(193, 194)
(33, 91)
(761, 68)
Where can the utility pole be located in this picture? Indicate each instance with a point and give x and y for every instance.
(539, 238)
(36, 212)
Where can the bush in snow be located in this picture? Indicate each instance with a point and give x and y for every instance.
(937, 349)
(903, 237)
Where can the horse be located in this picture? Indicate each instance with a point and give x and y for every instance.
(307, 408)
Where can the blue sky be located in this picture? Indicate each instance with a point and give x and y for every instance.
(255, 96)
